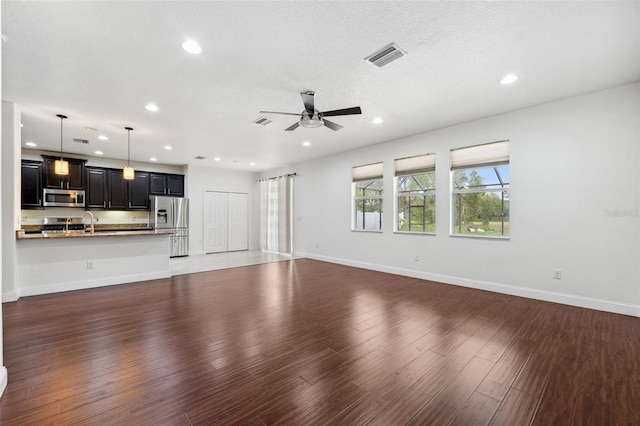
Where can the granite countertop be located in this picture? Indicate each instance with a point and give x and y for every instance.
(21, 235)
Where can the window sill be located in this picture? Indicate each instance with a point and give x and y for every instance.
(414, 233)
(480, 237)
(367, 231)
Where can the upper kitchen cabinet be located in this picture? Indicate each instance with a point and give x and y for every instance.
(117, 190)
(74, 180)
(31, 187)
(97, 195)
(166, 184)
(126, 194)
(139, 192)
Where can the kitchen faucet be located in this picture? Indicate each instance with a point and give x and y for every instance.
(91, 217)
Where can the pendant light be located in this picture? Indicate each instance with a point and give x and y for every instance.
(128, 173)
(61, 167)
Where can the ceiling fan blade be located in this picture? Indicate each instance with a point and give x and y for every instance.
(282, 113)
(292, 127)
(330, 124)
(344, 111)
(307, 100)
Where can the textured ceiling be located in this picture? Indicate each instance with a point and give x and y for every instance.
(101, 62)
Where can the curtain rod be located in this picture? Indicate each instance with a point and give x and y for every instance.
(276, 177)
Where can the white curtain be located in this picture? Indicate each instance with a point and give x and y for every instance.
(276, 200)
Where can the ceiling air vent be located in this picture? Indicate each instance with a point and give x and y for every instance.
(199, 157)
(385, 55)
(78, 140)
(262, 121)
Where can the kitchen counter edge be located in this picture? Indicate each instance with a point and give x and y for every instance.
(21, 235)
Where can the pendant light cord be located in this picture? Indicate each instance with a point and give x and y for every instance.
(128, 129)
(62, 117)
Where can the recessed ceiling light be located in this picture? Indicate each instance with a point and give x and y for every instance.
(508, 79)
(306, 143)
(32, 144)
(217, 159)
(192, 46)
(153, 159)
(168, 147)
(103, 138)
(98, 152)
(377, 120)
(252, 163)
(151, 107)
(21, 125)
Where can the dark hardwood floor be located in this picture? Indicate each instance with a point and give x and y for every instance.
(311, 343)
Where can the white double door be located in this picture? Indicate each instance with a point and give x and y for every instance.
(226, 221)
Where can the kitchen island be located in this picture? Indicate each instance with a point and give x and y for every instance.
(64, 261)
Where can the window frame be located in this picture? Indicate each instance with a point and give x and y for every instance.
(501, 188)
(370, 173)
(425, 193)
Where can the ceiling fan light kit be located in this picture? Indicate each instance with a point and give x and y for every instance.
(312, 118)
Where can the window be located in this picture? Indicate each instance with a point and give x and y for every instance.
(276, 213)
(480, 181)
(415, 194)
(367, 190)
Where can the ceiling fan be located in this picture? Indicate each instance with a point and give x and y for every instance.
(311, 117)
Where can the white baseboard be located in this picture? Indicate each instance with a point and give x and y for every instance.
(548, 296)
(3, 379)
(196, 252)
(81, 285)
(10, 296)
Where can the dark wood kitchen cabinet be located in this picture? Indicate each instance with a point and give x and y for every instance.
(166, 184)
(117, 190)
(31, 186)
(138, 195)
(127, 194)
(97, 189)
(74, 180)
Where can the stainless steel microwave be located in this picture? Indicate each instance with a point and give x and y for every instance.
(62, 198)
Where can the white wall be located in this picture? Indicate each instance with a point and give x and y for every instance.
(203, 179)
(3, 369)
(574, 205)
(51, 265)
(11, 118)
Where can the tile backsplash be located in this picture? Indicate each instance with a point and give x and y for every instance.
(103, 217)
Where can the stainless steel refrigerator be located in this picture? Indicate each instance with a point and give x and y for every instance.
(172, 213)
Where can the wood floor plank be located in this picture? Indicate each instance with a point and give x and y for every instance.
(446, 405)
(499, 380)
(308, 342)
(478, 410)
(403, 409)
(518, 408)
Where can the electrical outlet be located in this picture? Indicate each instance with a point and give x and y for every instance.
(417, 258)
(317, 245)
(557, 274)
(89, 264)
